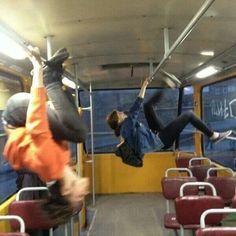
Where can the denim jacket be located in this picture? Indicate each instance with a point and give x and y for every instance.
(139, 137)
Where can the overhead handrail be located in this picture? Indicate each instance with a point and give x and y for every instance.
(24, 44)
(183, 35)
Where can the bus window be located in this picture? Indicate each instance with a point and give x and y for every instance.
(104, 101)
(186, 139)
(219, 112)
(9, 85)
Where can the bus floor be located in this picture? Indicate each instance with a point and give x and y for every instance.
(132, 214)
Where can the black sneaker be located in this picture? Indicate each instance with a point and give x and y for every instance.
(222, 136)
(53, 71)
(58, 58)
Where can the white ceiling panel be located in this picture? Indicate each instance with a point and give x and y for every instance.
(107, 32)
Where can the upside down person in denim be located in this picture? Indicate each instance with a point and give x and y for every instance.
(156, 137)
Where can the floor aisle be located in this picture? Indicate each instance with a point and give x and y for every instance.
(129, 215)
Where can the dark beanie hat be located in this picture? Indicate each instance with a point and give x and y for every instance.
(16, 109)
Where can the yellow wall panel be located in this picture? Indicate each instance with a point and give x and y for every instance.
(112, 176)
(4, 225)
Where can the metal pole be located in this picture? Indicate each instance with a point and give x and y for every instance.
(166, 41)
(76, 85)
(49, 46)
(92, 142)
(77, 105)
(150, 66)
(183, 35)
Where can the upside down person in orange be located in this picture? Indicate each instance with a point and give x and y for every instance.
(37, 138)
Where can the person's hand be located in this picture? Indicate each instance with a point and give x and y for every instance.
(34, 56)
(146, 82)
(74, 187)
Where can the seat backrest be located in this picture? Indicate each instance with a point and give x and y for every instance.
(20, 222)
(171, 184)
(200, 171)
(31, 213)
(189, 208)
(213, 231)
(182, 161)
(224, 185)
(234, 201)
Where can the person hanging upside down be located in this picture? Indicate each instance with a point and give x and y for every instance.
(157, 136)
(38, 135)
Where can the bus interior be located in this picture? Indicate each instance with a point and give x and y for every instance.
(185, 47)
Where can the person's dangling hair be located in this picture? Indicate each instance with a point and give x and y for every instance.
(113, 121)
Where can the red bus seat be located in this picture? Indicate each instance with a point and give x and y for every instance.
(234, 201)
(224, 185)
(189, 208)
(21, 225)
(213, 231)
(31, 213)
(200, 170)
(170, 189)
(182, 159)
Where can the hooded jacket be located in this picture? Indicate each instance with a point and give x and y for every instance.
(32, 147)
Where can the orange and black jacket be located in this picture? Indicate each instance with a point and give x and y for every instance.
(32, 147)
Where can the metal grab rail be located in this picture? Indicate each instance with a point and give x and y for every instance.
(199, 159)
(29, 189)
(183, 35)
(181, 191)
(212, 211)
(178, 169)
(14, 217)
(219, 168)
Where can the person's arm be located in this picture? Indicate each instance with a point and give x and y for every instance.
(134, 110)
(36, 120)
(45, 157)
(143, 88)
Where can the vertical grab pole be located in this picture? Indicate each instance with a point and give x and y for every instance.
(49, 46)
(92, 141)
(77, 146)
(150, 66)
(166, 41)
(77, 105)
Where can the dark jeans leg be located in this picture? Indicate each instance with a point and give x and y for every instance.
(67, 118)
(171, 132)
(153, 121)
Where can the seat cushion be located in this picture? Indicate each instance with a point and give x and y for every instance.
(214, 231)
(31, 213)
(170, 221)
